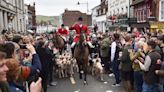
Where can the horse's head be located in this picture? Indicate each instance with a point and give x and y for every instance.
(58, 41)
(82, 37)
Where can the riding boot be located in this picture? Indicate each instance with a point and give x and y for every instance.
(90, 45)
(73, 44)
(72, 50)
(65, 45)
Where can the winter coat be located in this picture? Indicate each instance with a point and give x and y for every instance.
(4, 87)
(104, 47)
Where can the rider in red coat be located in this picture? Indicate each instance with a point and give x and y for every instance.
(78, 27)
(63, 32)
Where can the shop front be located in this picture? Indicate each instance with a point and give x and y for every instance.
(156, 26)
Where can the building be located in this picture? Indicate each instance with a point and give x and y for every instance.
(149, 14)
(159, 15)
(142, 11)
(69, 17)
(31, 21)
(99, 15)
(160, 7)
(118, 14)
(12, 15)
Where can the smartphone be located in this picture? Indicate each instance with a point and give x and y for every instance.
(35, 77)
(23, 46)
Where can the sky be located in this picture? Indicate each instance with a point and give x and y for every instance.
(57, 7)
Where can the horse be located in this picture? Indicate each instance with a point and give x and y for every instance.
(58, 42)
(81, 54)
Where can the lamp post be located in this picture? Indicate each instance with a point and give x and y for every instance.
(78, 3)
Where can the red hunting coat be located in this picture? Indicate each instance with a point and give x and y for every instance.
(63, 32)
(77, 28)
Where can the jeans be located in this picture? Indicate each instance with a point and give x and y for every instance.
(116, 72)
(138, 81)
(161, 88)
(149, 88)
(51, 71)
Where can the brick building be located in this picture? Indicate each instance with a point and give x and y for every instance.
(70, 17)
(148, 14)
(142, 11)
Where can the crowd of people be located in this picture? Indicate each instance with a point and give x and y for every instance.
(136, 59)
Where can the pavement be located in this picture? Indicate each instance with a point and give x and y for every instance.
(74, 84)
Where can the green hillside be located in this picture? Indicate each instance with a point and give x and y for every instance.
(53, 19)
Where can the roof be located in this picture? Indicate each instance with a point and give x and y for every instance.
(95, 7)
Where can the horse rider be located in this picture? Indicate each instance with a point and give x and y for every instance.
(78, 27)
(63, 32)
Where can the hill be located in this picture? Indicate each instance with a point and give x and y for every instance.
(54, 20)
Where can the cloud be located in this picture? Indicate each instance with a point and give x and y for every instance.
(56, 7)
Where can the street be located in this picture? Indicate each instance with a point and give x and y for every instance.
(94, 85)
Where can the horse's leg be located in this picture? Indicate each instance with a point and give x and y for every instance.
(60, 51)
(80, 71)
(85, 75)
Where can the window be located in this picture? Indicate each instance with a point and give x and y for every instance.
(145, 15)
(104, 11)
(101, 11)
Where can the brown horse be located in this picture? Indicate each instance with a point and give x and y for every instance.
(81, 54)
(58, 42)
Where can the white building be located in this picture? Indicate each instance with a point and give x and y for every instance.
(99, 15)
(12, 15)
(26, 15)
(117, 7)
(118, 14)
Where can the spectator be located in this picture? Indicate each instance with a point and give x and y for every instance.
(44, 57)
(126, 65)
(51, 62)
(3, 71)
(11, 50)
(151, 64)
(13, 74)
(115, 49)
(135, 55)
(104, 52)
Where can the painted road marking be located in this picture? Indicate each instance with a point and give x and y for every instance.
(109, 91)
(72, 80)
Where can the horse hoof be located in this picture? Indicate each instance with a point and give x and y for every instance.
(82, 72)
(85, 83)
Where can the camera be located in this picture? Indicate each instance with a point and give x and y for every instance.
(23, 46)
(26, 53)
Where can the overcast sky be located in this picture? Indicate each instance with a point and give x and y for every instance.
(57, 7)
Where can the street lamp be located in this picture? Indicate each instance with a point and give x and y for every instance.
(78, 3)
